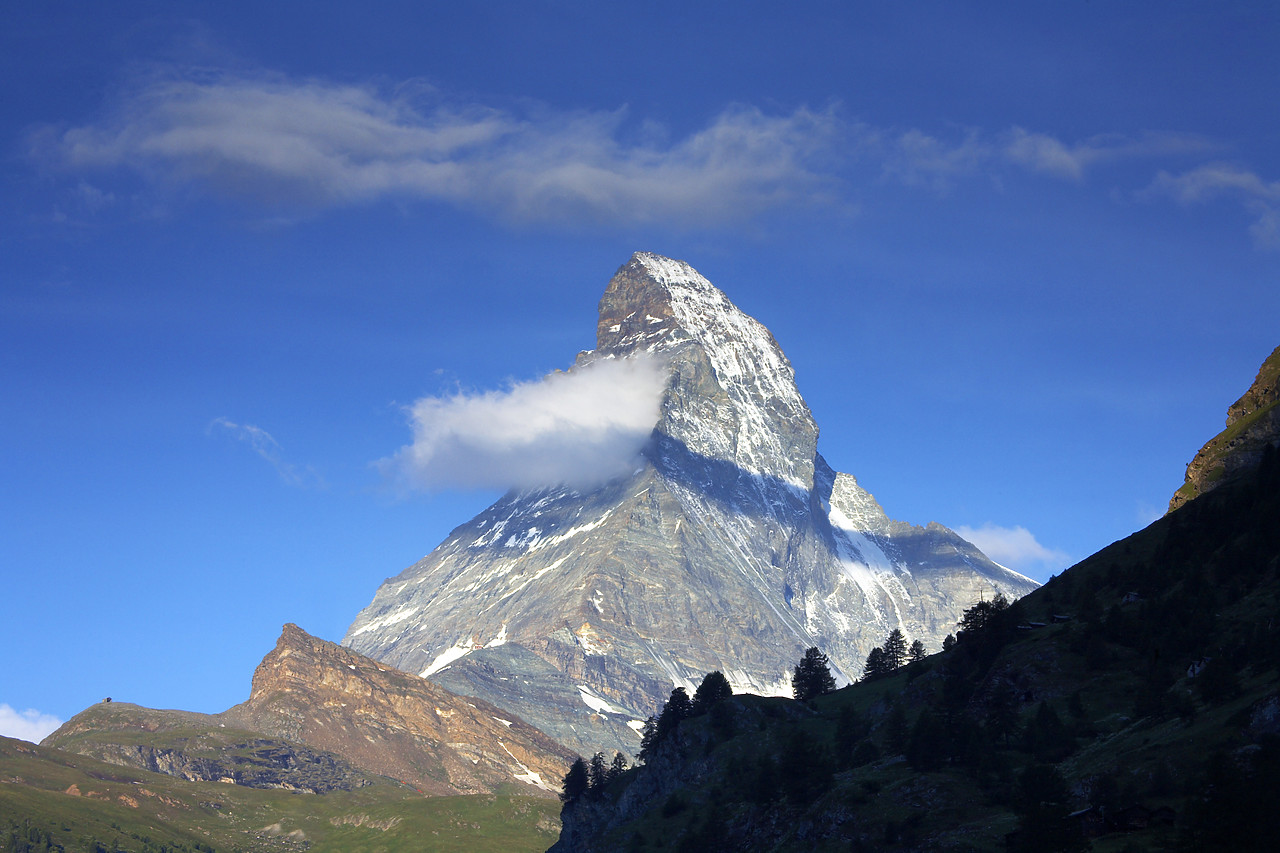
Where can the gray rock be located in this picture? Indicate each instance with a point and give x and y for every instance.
(733, 546)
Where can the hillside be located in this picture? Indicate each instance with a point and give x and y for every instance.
(332, 751)
(320, 717)
(1253, 424)
(55, 800)
(1132, 703)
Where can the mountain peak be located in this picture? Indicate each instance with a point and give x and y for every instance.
(1253, 424)
(732, 397)
(733, 547)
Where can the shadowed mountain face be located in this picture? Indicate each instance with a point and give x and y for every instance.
(733, 546)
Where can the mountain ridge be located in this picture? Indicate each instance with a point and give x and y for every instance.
(1253, 424)
(321, 717)
(1131, 703)
(732, 546)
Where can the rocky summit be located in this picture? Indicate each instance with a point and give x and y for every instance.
(1253, 425)
(732, 546)
(322, 718)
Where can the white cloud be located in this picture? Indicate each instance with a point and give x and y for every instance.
(1217, 180)
(305, 144)
(30, 724)
(918, 159)
(1040, 152)
(578, 428)
(325, 144)
(268, 448)
(1015, 548)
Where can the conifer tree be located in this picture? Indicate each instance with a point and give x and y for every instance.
(876, 665)
(714, 688)
(576, 781)
(895, 650)
(917, 652)
(597, 773)
(812, 676)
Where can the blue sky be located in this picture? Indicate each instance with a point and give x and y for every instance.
(1022, 257)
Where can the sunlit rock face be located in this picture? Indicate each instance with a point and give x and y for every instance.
(733, 546)
(1253, 425)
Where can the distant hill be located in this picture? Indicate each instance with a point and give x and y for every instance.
(332, 751)
(320, 717)
(53, 800)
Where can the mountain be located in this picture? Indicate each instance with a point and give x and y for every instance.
(733, 546)
(1131, 703)
(321, 718)
(1253, 424)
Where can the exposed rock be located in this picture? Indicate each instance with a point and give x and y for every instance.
(200, 748)
(733, 546)
(394, 724)
(1253, 425)
(321, 718)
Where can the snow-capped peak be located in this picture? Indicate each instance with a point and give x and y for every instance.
(733, 396)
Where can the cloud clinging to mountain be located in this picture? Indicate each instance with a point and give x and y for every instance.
(578, 428)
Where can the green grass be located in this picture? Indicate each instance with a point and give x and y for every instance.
(130, 808)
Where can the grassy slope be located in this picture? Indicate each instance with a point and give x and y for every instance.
(126, 808)
(1114, 674)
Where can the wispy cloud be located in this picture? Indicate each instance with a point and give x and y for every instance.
(268, 448)
(317, 143)
(1041, 152)
(918, 159)
(308, 144)
(1226, 180)
(578, 428)
(1016, 548)
(30, 724)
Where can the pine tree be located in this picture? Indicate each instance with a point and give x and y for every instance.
(648, 738)
(983, 615)
(598, 773)
(917, 652)
(876, 665)
(812, 676)
(679, 707)
(895, 650)
(576, 781)
(714, 688)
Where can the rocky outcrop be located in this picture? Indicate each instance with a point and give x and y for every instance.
(387, 722)
(1253, 425)
(201, 748)
(732, 546)
(321, 718)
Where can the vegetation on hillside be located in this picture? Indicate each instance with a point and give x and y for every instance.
(59, 801)
(1132, 703)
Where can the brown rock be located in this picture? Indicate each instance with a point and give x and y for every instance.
(1253, 424)
(389, 722)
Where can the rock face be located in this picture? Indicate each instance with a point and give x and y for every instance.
(318, 693)
(733, 546)
(321, 718)
(1253, 424)
(201, 748)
